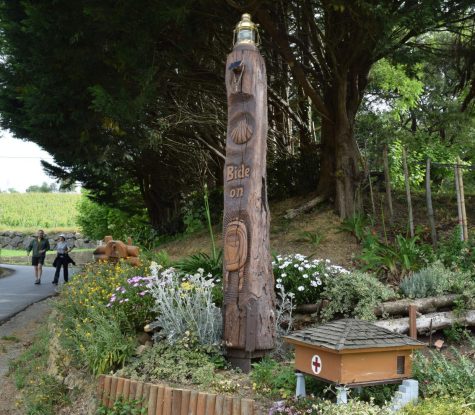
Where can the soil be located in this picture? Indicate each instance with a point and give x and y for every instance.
(16, 335)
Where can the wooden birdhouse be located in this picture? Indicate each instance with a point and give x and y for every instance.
(353, 353)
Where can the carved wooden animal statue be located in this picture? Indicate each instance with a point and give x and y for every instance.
(248, 281)
(113, 251)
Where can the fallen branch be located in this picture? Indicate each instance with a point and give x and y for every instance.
(292, 213)
(439, 321)
(424, 305)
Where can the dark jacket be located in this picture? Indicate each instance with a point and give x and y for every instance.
(63, 257)
(37, 245)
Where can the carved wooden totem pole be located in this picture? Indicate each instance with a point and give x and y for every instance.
(249, 297)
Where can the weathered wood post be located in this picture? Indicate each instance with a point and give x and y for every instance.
(249, 297)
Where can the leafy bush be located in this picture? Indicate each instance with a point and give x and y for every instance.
(184, 303)
(273, 379)
(441, 376)
(315, 406)
(185, 362)
(123, 407)
(440, 406)
(457, 254)
(354, 294)
(433, 280)
(303, 277)
(357, 225)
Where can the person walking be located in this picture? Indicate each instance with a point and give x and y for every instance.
(62, 259)
(39, 246)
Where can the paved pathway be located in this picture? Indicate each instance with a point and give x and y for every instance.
(18, 290)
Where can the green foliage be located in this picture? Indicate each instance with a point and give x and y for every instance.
(357, 225)
(273, 379)
(38, 210)
(457, 254)
(401, 257)
(315, 406)
(124, 407)
(42, 394)
(439, 375)
(440, 406)
(455, 333)
(97, 221)
(354, 294)
(313, 238)
(184, 362)
(432, 280)
(44, 188)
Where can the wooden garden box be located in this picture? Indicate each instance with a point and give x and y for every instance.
(353, 353)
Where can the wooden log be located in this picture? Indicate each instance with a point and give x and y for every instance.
(228, 405)
(100, 388)
(126, 390)
(160, 400)
(423, 305)
(167, 401)
(201, 404)
(145, 395)
(107, 391)
(177, 396)
(120, 388)
(210, 404)
(192, 408)
(306, 207)
(219, 407)
(430, 209)
(185, 402)
(139, 392)
(408, 192)
(113, 392)
(236, 406)
(133, 389)
(247, 407)
(437, 321)
(152, 400)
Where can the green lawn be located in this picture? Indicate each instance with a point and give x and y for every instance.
(9, 253)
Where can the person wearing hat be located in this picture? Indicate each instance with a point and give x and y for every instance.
(39, 246)
(62, 259)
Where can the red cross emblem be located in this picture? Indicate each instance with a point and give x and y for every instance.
(316, 364)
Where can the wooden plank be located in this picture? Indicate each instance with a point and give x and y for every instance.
(185, 402)
(133, 389)
(120, 388)
(126, 390)
(160, 398)
(139, 393)
(228, 406)
(219, 406)
(113, 392)
(167, 401)
(176, 401)
(107, 391)
(247, 407)
(100, 387)
(193, 403)
(152, 400)
(210, 404)
(201, 404)
(145, 395)
(236, 406)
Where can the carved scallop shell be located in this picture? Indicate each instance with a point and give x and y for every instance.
(242, 132)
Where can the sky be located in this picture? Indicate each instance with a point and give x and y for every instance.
(20, 165)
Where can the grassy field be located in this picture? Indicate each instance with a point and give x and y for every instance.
(30, 211)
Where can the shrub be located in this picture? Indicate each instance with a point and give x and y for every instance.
(184, 303)
(433, 280)
(315, 406)
(185, 362)
(457, 254)
(440, 406)
(303, 277)
(123, 407)
(439, 375)
(354, 294)
(273, 379)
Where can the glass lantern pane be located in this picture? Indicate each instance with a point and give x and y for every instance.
(246, 34)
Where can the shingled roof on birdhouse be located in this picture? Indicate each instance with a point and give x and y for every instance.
(353, 352)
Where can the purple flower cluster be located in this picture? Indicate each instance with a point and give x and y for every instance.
(134, 284)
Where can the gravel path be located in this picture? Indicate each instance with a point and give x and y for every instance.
(15, 335)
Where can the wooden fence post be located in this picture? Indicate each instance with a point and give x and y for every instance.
(430, 210)
(408, 191)
(387, 181)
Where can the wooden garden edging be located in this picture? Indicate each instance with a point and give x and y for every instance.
(163, 400)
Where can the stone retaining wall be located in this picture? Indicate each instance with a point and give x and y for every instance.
(18, 240)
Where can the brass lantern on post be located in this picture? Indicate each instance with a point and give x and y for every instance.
(246, 31)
